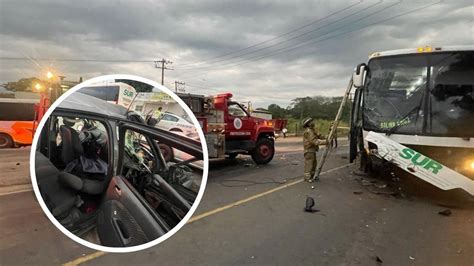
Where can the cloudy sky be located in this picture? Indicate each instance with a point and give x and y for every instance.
(262, 51)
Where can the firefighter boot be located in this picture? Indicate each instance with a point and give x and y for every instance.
(309, 165)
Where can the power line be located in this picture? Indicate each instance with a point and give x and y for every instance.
(151, 61)
(278, 51)
(329, 32)
(343, 33)
(76, 60)
(292, 38)
(244, 61)
(311, 41)
(290, 48)
(276, 37)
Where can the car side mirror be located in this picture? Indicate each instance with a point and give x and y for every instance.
(358, 77)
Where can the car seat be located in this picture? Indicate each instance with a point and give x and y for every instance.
(59, 199)
(72, 152)
(71, 144)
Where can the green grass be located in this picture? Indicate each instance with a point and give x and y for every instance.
(294, 126)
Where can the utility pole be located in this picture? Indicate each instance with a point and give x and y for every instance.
(177, 84)
(161, 64)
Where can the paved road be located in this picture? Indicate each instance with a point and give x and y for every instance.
(257, 227)
(28, 237)
(15, 166)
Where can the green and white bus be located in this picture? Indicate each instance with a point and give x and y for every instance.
(415, 109)
(114, 92)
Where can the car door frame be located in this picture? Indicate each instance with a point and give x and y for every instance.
(144, 215)
(119, 193)
(177, 141)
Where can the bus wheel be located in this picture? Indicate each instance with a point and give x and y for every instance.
(5, 141)
(264, 151)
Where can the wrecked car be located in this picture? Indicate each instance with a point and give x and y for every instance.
(99, 166)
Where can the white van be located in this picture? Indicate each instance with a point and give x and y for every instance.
(117, 92)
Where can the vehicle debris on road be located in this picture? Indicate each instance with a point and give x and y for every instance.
(309, 205)
(378, 260)
(445, 212)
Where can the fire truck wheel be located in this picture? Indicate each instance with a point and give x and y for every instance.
(167, 152)
(264, 151)
(5, 141)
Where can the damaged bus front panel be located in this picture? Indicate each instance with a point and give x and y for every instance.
(418, 164)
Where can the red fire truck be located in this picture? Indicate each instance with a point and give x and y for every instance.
(230, 130)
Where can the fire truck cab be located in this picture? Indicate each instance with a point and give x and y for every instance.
(230, 130)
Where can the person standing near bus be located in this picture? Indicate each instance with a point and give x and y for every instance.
(158, 113)
(311, 141)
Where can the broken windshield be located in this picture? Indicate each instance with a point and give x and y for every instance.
(424, 94)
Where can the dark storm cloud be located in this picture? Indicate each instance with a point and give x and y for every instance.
(193, 31)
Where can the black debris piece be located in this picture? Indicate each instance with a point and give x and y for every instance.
(309, 205)
(378, 260)
(445, 212)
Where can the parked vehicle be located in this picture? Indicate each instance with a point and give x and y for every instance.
(175, 123)
(17, 122)
(278, 123)
(415, 108)
(230, 130)
(99, 165)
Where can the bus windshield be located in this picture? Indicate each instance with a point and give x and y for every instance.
(423, 94)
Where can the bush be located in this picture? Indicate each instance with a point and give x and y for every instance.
(323, 125)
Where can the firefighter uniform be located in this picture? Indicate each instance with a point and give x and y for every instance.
(311, 141)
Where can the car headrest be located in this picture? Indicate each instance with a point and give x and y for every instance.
(69, 121)
(71, 144)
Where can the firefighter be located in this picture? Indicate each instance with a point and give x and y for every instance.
(311, 141)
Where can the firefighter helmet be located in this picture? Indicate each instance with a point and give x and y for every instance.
(307, 121)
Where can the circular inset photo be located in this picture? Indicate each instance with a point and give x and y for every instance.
(118, 163)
